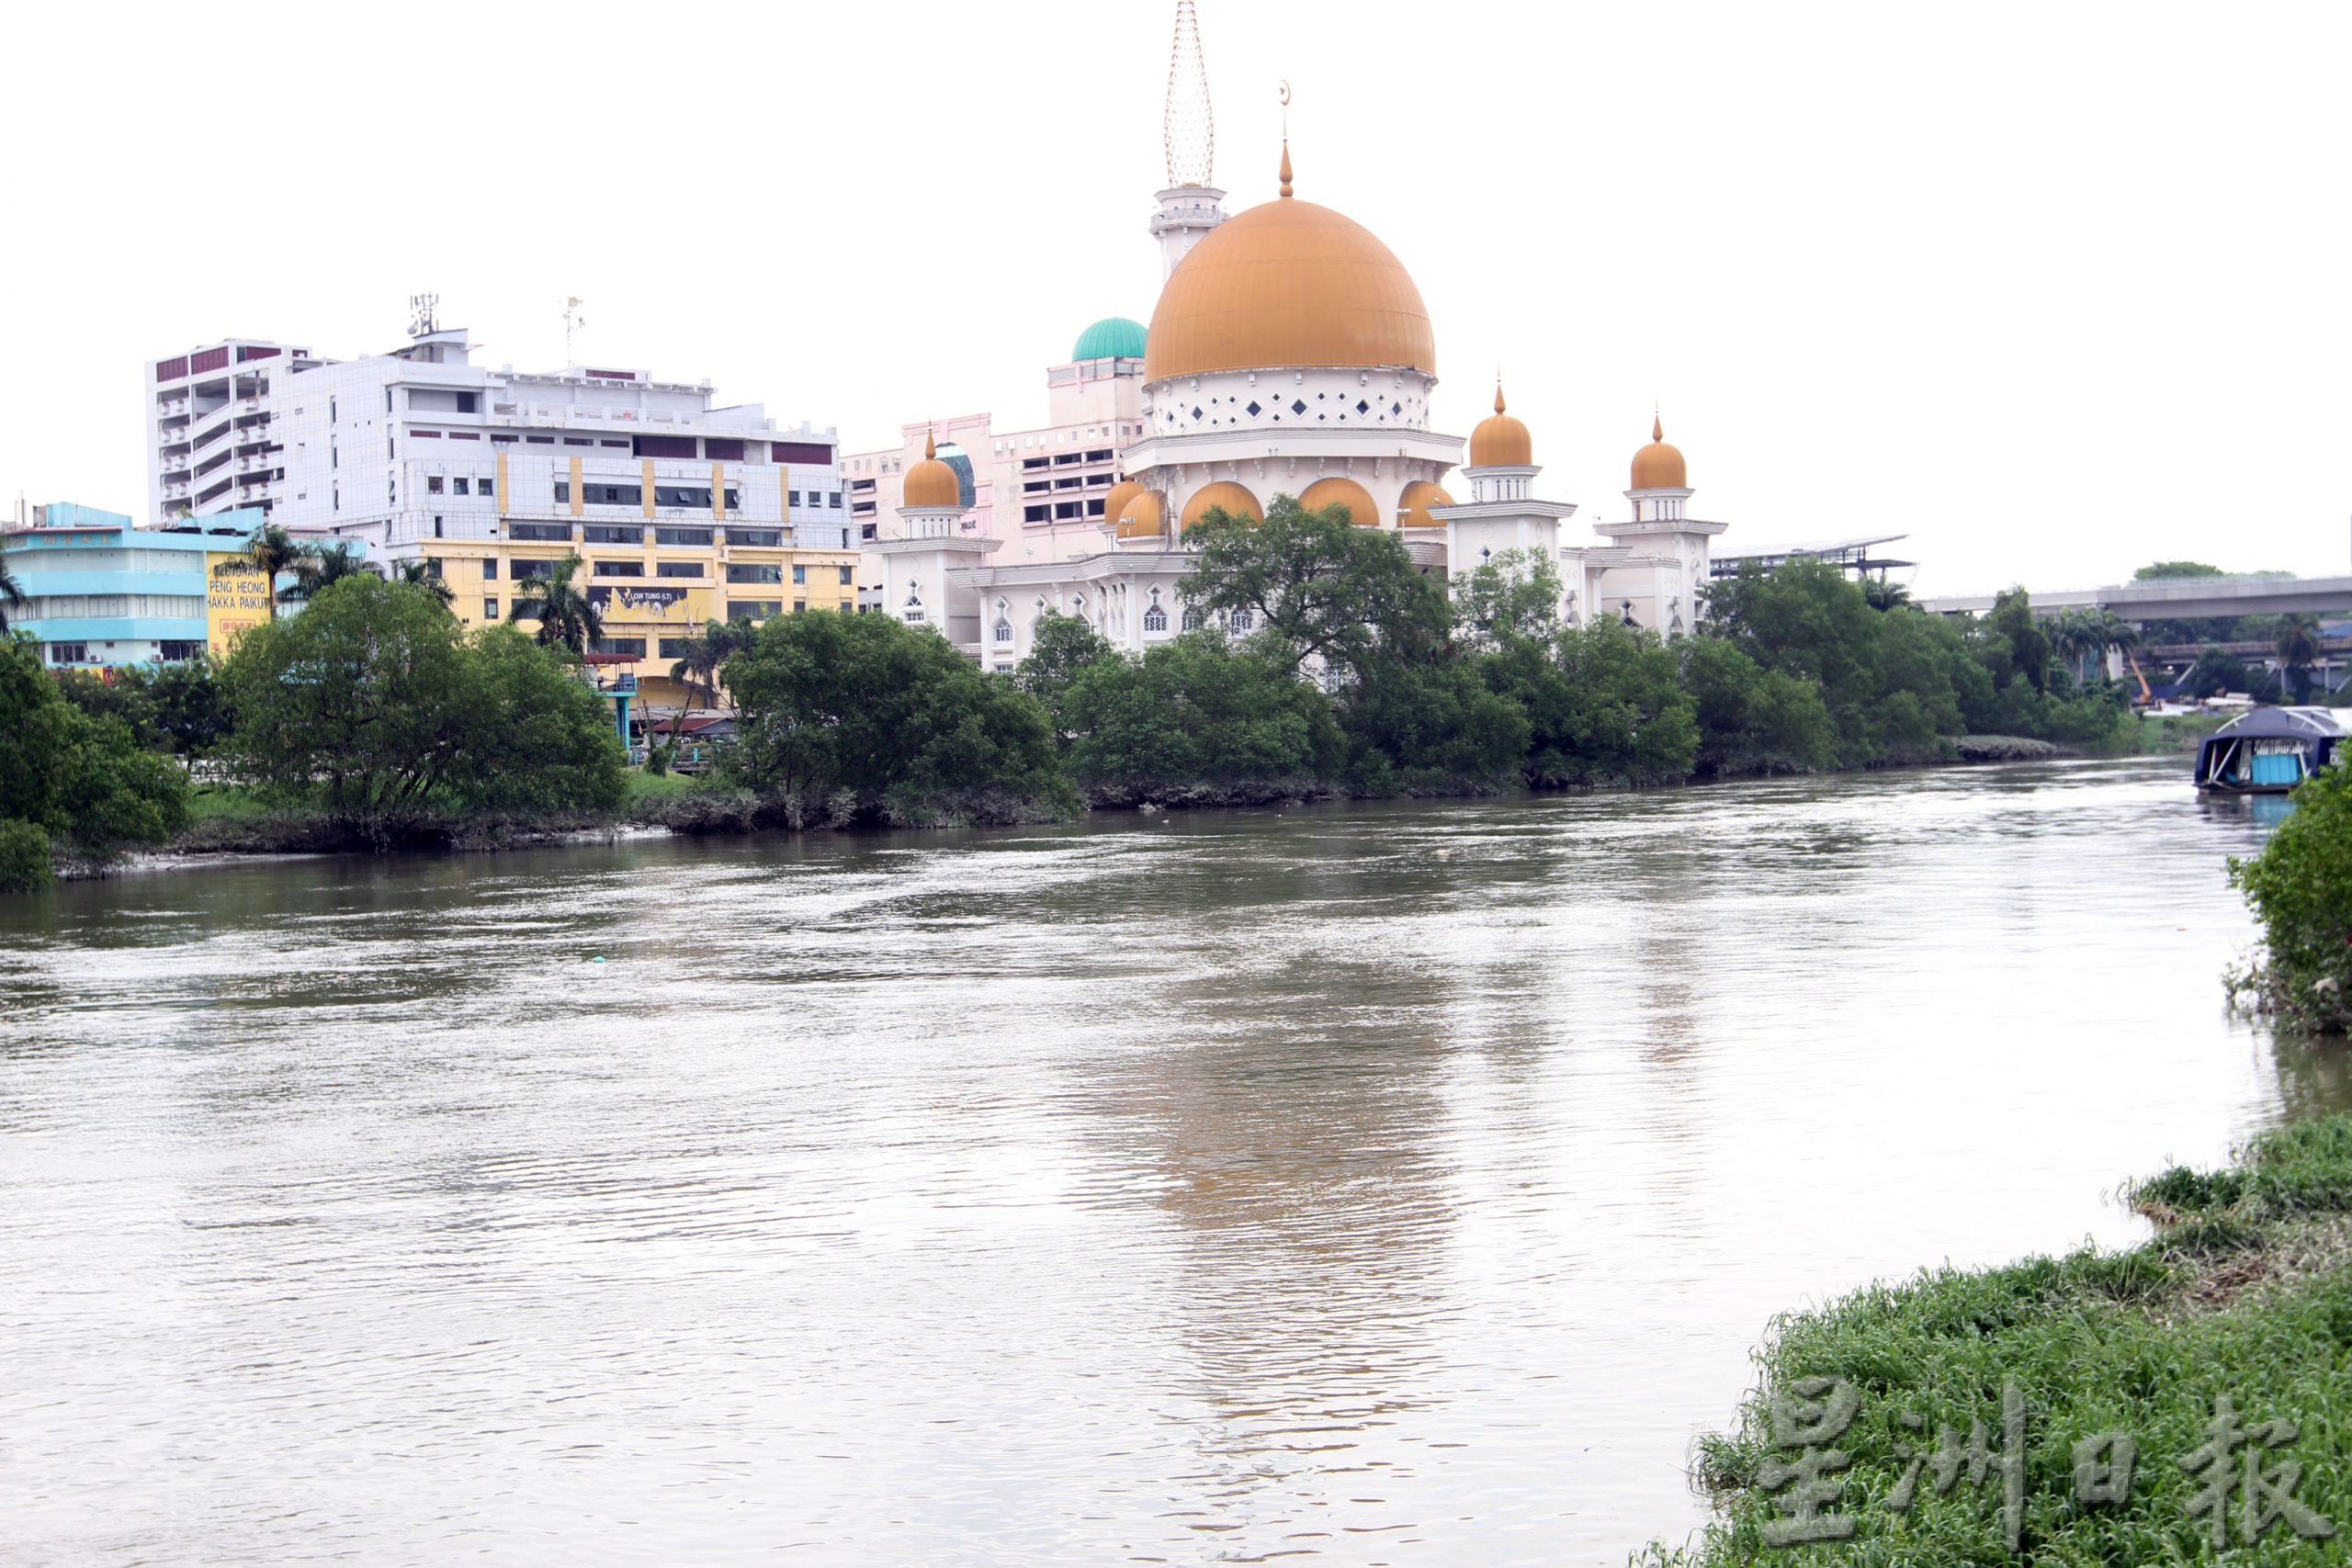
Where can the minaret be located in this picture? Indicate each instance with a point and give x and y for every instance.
(1503, 513)
(1188, 207)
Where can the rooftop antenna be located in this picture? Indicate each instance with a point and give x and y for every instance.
(421, 308)
(1188, 134)
(573, 322)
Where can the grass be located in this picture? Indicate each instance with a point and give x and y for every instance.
(643, 786)
(227, 803)
(2245, 1292)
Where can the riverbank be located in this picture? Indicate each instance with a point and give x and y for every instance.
(2242, 1301)
(227, 821)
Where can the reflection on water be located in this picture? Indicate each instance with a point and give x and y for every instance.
(1401, 1183)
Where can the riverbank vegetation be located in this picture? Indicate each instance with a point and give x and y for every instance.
(2300, 886)
(72, 782)
(1314, 660)
(2229, 1330)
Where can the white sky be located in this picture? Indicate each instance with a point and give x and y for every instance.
(2054, 289)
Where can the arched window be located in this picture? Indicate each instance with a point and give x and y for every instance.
(1003, 629)
(1155, 620)
(1191, 620)
(1240, 621)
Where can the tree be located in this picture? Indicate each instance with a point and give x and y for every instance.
(2165, 570)
(70, 777)
(1880, 594)
(1200, 710)
(2215, 671)
(375, 706)
(2299, 648)
(1064, 646)
(567, 617)
(2077, 637)
(321, 566)
(424, 573)
(12, 595)
(2011, 621)
(1512, 598)
(1750, 720)
(2300, 889)
(1327, 590)
(1626, 719)
(696, 666)
(890, 720)
(268, 552)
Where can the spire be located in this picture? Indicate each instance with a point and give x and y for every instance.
(1285, 165)
(1657, 430)
(1499, 394)
(1188, 134)
(930, 446)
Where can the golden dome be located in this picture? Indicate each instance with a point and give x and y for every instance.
(1346, 492)
(1659, 465)
(1117, 501)
(1501, 441)
(1234, 498)
(1288, 283)
(931, 482)
(1413, 506)
(1143, 518)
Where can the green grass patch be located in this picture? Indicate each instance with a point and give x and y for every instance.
(643, 785)
(227, 803)
(2243, 1295)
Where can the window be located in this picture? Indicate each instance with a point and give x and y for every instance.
(800, 606)
(674, 647)
(489, 606)
(458, 486)
(756, 609)
(533, 570)
(844, 571)
(678, 569)
(616, 495)
(563, 492)
(490, 570)
(800, 574)
(437, 526)
(1240, 621)
(696, 496)
(433, 485)
(698, 537)
(1003, 629)
(833, 500)
(620, 569)
(764, 539)
(1070, 509)
(1155, 620)
(68, 653)
(543, 531)
(1191, 620)
(626, 647)
(611, 533)
(755, 574)
(792, 497)
(180, 652)
(1101, 456)
(1036, 514)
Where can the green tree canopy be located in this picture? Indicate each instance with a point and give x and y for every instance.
(376, 706)
(1064, 646)
(71, 776)
(889, 715)
(1327, 589)
(1198, 710)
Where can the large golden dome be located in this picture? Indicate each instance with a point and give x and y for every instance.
(1336, 490)
(1413, 506)
(1288, 283)
(1234, 499)
(931, 482)
(1659, 465)
(1500, 441)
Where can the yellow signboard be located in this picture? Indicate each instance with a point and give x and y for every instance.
(235, 603)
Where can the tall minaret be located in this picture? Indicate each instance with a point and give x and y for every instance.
(1188, 207)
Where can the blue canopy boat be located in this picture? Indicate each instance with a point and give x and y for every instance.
(2268, 751)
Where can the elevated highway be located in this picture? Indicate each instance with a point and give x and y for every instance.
(2177, 598)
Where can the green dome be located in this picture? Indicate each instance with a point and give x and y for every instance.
(1112, 337)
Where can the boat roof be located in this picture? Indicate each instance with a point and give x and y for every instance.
(2305, 724)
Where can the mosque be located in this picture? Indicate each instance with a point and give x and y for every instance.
(1290, 354)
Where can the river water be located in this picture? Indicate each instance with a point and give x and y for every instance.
(1400, 1183)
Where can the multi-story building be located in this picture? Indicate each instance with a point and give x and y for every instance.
(100, 591)
(682, 512)
(1042, 491)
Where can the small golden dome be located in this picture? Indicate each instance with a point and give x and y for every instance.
(1117, 501)
(1143, 518)
(1413, 506)
(931, 482)
(1501, 441)
(1344, 492)
(1234, 499)
(1659, 465)
(1288, 283)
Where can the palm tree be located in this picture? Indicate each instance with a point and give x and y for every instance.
(421, 571)
(697, 668)
(270, 551)
(566, 617)
(2299, 648)
(12, 596)
(1885, 596)
(2079, 638)
(321, 566)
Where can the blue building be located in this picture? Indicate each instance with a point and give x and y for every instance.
(103, 592)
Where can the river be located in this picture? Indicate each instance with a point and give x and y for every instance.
(1398, 1183)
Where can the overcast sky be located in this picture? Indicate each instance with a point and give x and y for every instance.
(2054, 290)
